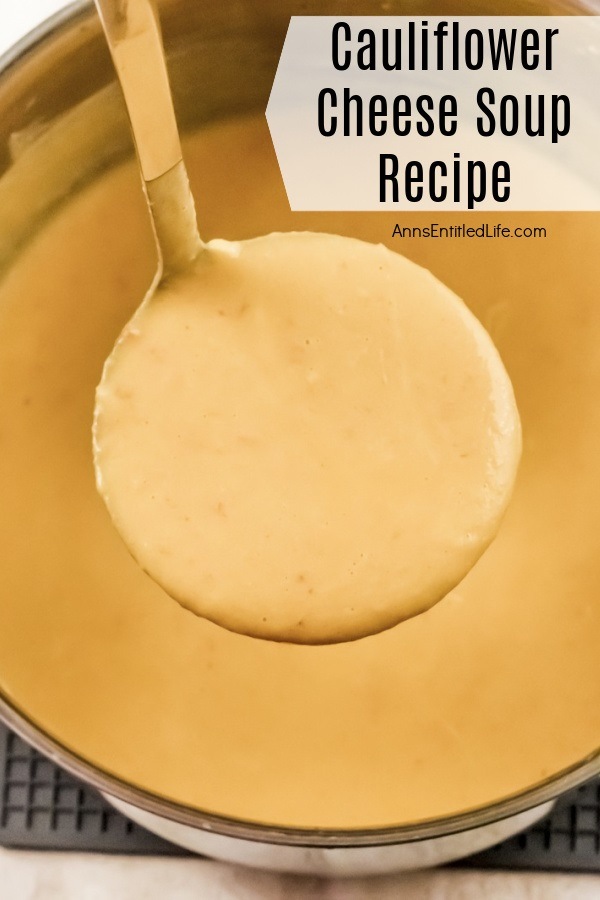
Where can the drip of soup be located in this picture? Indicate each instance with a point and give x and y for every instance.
(493, 689)
(305, 437)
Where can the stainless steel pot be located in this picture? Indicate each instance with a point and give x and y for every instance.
(62, 71)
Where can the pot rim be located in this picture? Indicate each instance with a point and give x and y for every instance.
(107, 783)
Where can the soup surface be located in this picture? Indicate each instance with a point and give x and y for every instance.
(495, 688)
(305, 437)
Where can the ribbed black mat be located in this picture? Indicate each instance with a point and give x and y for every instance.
(44, 808)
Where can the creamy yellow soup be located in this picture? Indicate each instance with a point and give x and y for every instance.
(495, 688)
(305, 437)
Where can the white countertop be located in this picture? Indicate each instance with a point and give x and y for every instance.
(48, 875)
(16, 19)
(28, 875)
(79, 876)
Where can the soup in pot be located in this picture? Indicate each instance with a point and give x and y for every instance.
(486, 694)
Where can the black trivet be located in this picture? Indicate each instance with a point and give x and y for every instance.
(44, 808)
